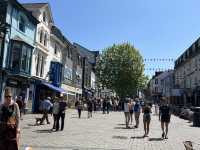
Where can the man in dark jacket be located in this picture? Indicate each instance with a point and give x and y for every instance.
(61, 114)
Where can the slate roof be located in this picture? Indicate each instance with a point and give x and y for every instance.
(34, 5)
(84, 52)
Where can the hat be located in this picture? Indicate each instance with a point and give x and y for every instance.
(8, 92)
(49, 98)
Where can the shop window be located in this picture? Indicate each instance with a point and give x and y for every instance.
(22, 24)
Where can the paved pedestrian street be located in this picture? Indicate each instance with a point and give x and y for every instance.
(105, 132)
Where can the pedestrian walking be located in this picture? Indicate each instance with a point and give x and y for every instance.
(126, 113)
(146, 118)
(131, 106)
(104, 105)
(79, 107)
(137, 110)
(164, 117)
(46, 105)
(9, 123)
(108, 105)
(61, 114)
(55, 112)
(156, 108)
(94, 102)
(89, 107)
(20, 104)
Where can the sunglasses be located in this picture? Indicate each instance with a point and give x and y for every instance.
(8, 96)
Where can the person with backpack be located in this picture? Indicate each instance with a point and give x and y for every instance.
(46, 106)
(9, 122)
(164, 117)
(137, 110)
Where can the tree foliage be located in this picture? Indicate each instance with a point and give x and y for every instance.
(120, 68)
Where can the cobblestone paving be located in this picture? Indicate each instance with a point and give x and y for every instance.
(105, 132)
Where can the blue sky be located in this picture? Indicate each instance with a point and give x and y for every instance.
(159, 29)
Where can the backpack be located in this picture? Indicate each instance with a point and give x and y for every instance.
(136, 107)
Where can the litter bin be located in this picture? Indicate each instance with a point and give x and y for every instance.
(196, 116)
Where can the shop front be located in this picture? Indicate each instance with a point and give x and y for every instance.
(42, 90)
(73, 93)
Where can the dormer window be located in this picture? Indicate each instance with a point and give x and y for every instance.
(22, 24)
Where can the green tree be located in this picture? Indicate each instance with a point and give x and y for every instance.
(120, 68)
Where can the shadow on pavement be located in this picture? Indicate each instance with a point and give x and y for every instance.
(31, 125)
(121, 124)
(44, 131)
(120, 137)
(26, 127)
(45, 147)
(79, 118)
(155, 139)
(124, 128)
(137, 137)
(194, 126)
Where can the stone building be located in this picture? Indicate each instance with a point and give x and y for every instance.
(187, 75)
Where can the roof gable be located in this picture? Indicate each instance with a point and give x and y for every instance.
(39, 6)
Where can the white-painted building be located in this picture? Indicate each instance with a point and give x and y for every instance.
(42, 54)
(161, 85)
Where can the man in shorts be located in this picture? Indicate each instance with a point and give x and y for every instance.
(164, 117)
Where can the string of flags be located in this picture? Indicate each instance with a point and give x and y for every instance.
(159, 59)
(158, 69)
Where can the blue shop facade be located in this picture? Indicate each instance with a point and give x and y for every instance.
(17, 39)
(51, 88)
